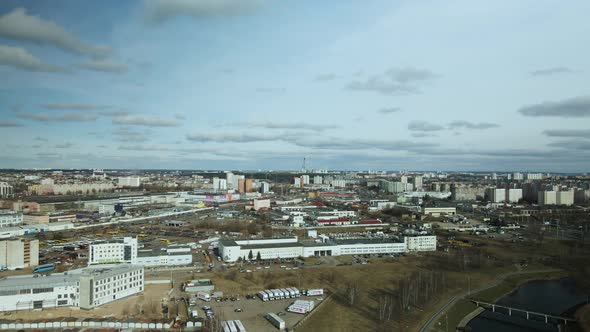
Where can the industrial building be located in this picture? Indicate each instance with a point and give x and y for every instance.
(171, 256)
(439, 211)
(19, 253)
(84, 288)
(113, 251)
(291, 247)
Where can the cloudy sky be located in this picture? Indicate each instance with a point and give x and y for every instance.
(255, 84)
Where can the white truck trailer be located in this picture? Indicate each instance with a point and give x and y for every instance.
(275, 320)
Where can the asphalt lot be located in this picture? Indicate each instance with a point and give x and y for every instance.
(253, 311)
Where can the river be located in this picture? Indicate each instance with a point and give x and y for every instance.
(546, 296)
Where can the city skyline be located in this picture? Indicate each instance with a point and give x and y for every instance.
(465, 86)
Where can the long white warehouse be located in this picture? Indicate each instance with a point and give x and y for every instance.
(290, 247)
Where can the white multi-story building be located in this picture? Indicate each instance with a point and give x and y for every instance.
(113, 251)
(6, 190)
(305, 179)
(10, 218)
(297, 182)
(380, 204)
(513, 195)
(534, 176)
(317, 179)
(339, 183)
(565, 198)
(219, 184)
(417, 181)
(229, 179)
(84, 288)
(547, 197)
(518, 176)
(101, 286)
(19, 253)
(129, 181)
(420, 243)
(264, 187)
(338, 214)
(497, 195)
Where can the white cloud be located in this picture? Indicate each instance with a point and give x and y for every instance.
(105, 65)
(18, 25)
(144, 121)
(19, 58)
(158, 11)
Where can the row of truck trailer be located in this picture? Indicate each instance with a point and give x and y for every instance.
(286, 293)
(233, 326)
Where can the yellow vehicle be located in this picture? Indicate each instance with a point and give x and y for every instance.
(459, 243)
(141, 235)
(166, 241)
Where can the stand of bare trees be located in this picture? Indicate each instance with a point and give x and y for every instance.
(419, 288)
(352, 293)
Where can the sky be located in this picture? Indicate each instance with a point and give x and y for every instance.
(463, 85)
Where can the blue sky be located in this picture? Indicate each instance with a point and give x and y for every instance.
(254, 84)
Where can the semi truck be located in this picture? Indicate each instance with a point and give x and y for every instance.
(275, 320)
(263, 296)
(271, 295)
(314, 292)
(286, 293)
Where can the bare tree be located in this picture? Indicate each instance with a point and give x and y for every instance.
(352, 293)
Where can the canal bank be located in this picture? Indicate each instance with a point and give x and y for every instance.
(505, 284)
(553, 296)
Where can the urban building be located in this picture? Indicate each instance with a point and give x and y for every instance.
(242, 185)
(10, 218)
(290, 247)
(19, 253)
(513, 195)
(129, 181)
(170, 256)
(534, 176)
(439, 211)
(264, 187)
(466, 192)
(417, 182)
(6, 190)
(565, 198)
(248, 185)
(261, 203)
(84, 288)
(317, 179)
(496, 195)
(113, 251)
(547, 198)
(219, 184)
(305, 179)
(518, 176)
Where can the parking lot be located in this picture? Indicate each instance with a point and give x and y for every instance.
(254, 310)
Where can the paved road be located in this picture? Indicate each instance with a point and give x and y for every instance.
(434, 318)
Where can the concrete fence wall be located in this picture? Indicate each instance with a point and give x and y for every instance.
(89, 324)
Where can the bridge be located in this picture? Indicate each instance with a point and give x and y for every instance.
(529, 314)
